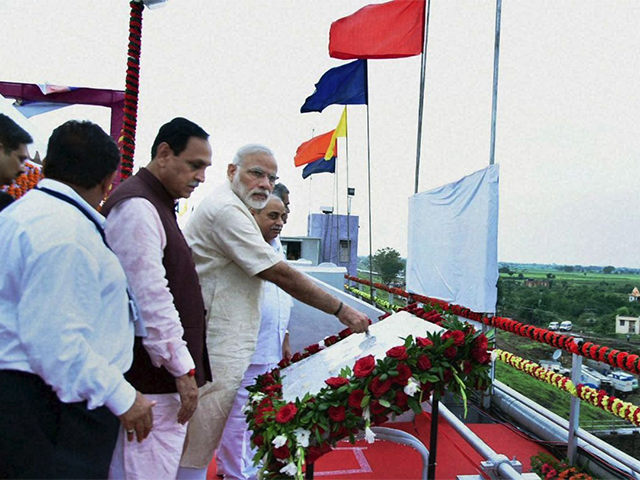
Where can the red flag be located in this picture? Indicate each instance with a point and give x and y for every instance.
(313, 149)
(386, 30)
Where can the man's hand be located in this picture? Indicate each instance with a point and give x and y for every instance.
(138, 419)
(188, 391)
(355, 320)
(286, 347)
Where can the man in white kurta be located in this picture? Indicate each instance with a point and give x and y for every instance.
(232, 260)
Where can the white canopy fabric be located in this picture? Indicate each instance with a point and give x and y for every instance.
(453, 242)
(40, 140)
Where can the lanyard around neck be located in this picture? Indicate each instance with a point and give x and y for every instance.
(75, 203)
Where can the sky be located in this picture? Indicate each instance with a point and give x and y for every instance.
(568, 118)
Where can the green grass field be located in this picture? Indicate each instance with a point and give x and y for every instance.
(576, 277)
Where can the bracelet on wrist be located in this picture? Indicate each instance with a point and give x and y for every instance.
(338, 310)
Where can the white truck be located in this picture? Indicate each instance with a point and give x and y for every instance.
(623, 382)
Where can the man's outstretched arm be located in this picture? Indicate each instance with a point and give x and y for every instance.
(299, 286)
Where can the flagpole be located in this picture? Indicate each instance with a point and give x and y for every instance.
(423, 68)
(346, 139)
(494, 103)
(371, 290)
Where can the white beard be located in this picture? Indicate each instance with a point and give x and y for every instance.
(245, 194)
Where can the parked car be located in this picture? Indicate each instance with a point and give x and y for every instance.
(566, 326)
(553, 326)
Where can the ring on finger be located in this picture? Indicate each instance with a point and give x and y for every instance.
(131, 432)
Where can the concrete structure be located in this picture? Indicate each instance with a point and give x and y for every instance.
(339, 239)
(627, 325)
(301, 248)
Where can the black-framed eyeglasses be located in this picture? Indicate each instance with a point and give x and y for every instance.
(258, 173)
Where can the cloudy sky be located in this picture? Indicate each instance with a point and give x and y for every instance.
(568, 129)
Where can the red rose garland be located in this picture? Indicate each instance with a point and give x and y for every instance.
(622, 360)
(289, 434)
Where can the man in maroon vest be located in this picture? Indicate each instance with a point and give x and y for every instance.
(170, 357)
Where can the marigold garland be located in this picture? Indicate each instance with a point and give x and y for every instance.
(291, 434)
(26, 181)
(597, 398)
(615, 358)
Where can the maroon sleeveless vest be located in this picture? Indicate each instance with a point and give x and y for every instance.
(183, 284)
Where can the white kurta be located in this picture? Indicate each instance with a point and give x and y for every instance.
(229, 252)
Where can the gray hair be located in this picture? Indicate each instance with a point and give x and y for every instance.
(280, 190)
(250, 149)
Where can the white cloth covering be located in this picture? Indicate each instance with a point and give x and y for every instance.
(453, 242)
(64, 312)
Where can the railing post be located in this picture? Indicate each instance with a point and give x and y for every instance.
(574, 415)
(488, 393)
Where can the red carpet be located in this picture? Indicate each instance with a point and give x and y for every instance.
(389, 461)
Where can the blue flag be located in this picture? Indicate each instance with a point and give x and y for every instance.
(320, 166)
(344, 85)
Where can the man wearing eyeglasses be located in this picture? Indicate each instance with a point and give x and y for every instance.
(233, 261)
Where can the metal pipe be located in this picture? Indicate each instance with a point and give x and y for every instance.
(574, 413)
(494, 101)
(550, 427)
(423, 68)
(504, 467)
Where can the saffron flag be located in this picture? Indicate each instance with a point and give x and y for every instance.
(386, 30)
(314, 149)
(340, 131)
(320, 166)
(343, 85)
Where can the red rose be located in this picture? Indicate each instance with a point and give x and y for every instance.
(364, 366)
(379, 387)
(315, 348)
(345, 333)
(399, 353)
(282, 453)
(286, 413)
(424, 363)
(376, 408)
(267, 379)
(331, 340)
(258, 441)
(451, 352)
(272, 389)
(404, 374)
(337, 414)
(482, 342)
(336, 382)
(458, 337)
(401, 400)
(423, 342)
(481, 356)
(284, 363)
(447, 375)
(296, 357)
(467, 367)
(379, 419)
(355, 398)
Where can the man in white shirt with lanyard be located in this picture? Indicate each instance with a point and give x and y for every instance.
(66, 333)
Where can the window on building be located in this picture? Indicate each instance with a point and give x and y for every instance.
(345, 251)
(622, 323)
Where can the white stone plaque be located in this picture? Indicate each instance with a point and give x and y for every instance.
(308, 375)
